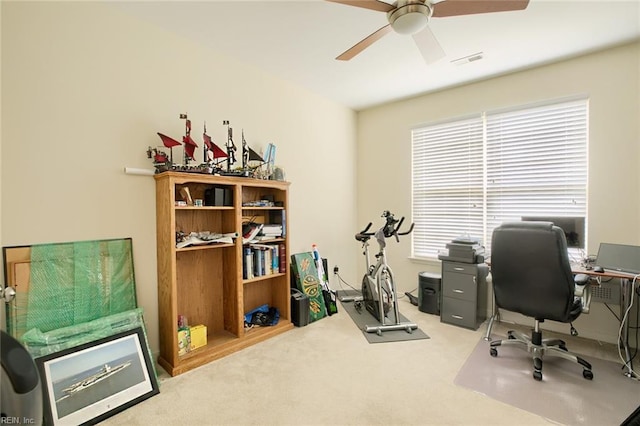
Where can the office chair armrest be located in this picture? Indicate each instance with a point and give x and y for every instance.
(583, 291)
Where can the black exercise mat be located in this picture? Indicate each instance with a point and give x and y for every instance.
(364, 318)
(563, 396)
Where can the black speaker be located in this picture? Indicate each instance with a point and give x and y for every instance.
(218, 196)
(429, 292)
(300, 313)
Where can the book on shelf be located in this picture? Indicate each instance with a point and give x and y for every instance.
(247, 263)
(282, 258)
(206, 237)
(279, 217)
(262, 259)
(271, 229)
(265, 238)
(258, 263)
(250, 231)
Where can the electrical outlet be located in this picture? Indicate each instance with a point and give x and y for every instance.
(335, 270)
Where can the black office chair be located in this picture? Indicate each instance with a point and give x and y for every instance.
(532, 276)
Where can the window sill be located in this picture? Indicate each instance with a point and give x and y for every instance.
(426, 261)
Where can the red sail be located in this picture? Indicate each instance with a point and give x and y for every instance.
(167, 141)
(207, 140)
(189, 146)
(218, 153)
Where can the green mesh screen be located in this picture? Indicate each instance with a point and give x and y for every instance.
(40, 343)
(73, 283)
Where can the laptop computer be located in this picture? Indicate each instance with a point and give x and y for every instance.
(619, 257)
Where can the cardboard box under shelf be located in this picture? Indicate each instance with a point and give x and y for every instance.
(198, 336)
(184, 341)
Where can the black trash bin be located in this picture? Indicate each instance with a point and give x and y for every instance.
(300, 315)
(429, 285)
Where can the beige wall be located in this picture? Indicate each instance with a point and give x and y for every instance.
(85, 89)
(610, 78)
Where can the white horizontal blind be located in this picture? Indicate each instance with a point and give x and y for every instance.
(471, 175)
(447, 184)
(537, 163)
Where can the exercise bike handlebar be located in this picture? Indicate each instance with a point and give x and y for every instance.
(395, 230)
(407, 232)
(391, 228)
(363, 235)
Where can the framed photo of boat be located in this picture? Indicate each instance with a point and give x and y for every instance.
(88, 383)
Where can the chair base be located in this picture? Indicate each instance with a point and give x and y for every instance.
(538, 348)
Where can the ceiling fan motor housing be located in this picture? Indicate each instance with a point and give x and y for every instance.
(409, 17)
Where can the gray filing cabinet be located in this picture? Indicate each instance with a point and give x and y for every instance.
(464, 294)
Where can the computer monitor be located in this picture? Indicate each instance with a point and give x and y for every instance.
(619, 257)
(573, 227)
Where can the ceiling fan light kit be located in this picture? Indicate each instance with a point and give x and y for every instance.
(409, 18)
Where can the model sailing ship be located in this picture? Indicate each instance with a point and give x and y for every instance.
(213, 157)
(248, 155)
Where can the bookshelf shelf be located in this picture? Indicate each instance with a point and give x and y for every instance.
(262, 278)
(205, 247)
(203, 208)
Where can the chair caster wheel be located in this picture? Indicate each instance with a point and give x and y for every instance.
(493, 352)
(587, 374)
(537, 375)
(510, 336)
(563, 347)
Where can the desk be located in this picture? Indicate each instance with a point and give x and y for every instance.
(626, 287)
(626, 294)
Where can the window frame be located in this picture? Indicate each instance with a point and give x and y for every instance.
(425, 247)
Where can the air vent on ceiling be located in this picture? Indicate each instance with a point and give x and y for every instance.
(470, 58)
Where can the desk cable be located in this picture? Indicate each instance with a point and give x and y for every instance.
(627, 362)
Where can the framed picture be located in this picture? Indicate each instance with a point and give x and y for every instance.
(88, 383)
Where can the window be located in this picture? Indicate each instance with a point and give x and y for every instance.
(472, 174)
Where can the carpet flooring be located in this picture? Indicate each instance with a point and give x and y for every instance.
(563, 395)
(363, 318)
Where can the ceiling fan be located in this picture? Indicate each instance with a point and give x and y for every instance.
(411, 16)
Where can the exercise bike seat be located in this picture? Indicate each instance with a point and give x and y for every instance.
(362, 237)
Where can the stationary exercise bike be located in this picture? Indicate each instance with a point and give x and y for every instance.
(378, 286)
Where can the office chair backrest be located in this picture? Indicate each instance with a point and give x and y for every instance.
(531, 271)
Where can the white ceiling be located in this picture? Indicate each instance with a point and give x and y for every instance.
(298, 40)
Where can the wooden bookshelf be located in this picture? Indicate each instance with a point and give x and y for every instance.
(205, 282)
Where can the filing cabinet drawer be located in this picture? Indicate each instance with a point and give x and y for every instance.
(460, 268)
(459, 312)
(459, 286)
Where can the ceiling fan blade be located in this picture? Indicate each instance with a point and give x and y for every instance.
(429, 46)
(470, 7)
(380, 6)
(364, 43)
